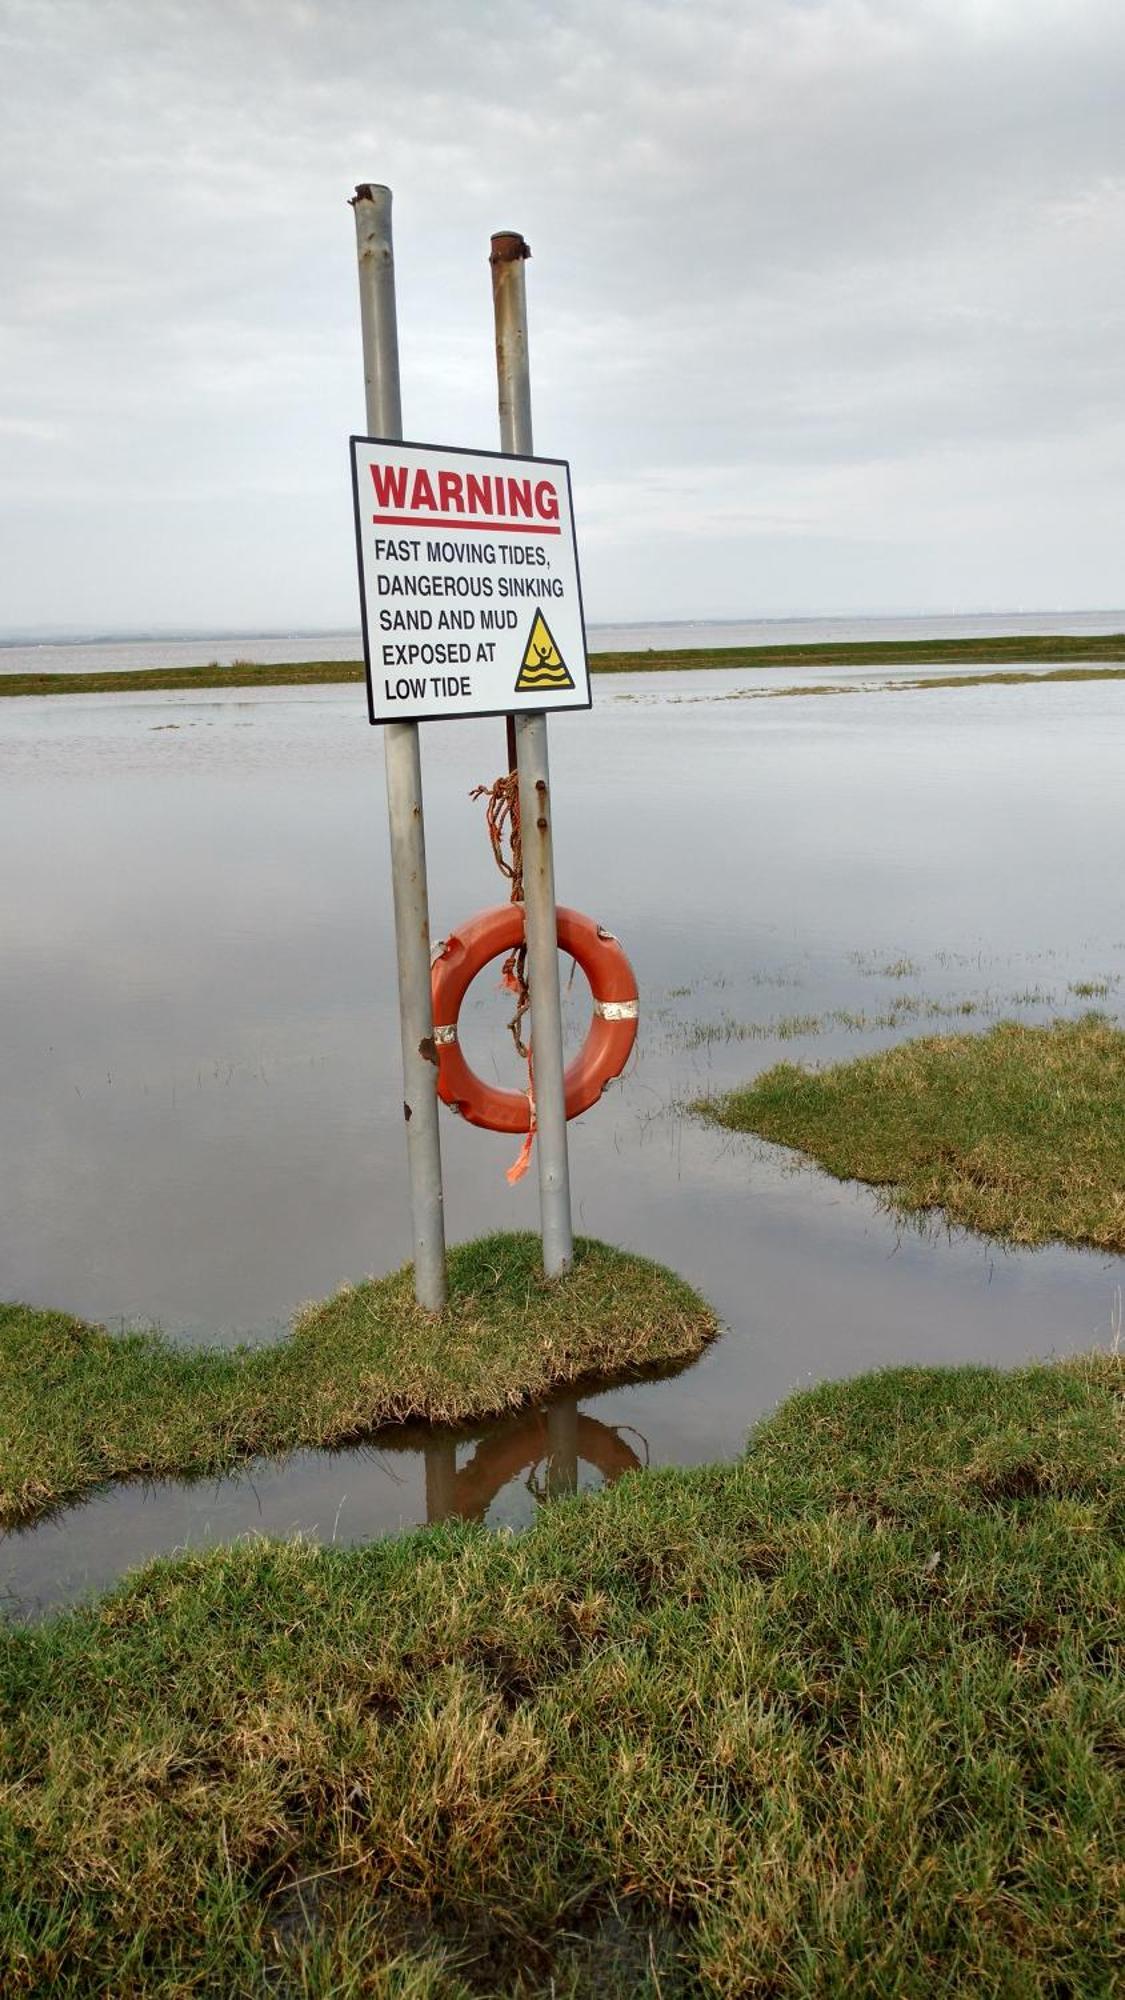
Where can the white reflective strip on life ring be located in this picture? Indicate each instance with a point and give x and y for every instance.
(446, 1034)
(617, 1010)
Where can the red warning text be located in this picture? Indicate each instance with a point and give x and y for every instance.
(487, 503)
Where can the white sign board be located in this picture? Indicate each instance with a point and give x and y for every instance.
(468, 577)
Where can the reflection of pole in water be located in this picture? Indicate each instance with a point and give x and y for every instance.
(560, 1438)
(441, 1480)
(562, 1446)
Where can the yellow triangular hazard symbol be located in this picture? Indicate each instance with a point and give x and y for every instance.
(543, 665)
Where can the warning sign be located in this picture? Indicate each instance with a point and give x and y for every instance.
(542, 665)
(468, 582)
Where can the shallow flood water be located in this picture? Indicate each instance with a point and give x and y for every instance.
(201, 1090)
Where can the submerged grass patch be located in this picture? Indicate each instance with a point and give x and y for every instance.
(797, 1027)
(1019, 1132)
(79, 1405)
(844, 1719)
(1005, 678)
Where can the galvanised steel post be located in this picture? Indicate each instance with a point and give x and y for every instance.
(509, 298)
(372, 205)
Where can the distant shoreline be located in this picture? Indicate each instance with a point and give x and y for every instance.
(1013, 651)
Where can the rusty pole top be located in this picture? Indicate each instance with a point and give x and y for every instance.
(509, 247)
(367, 191)
(513, 377)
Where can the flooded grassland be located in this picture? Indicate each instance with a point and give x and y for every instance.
(202, 1103)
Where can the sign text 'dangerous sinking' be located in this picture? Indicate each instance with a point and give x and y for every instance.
(468, 582)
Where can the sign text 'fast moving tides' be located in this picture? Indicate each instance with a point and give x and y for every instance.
(468, 582)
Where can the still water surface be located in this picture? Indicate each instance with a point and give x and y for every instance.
(198, 1039)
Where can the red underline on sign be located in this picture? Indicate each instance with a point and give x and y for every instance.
(477, 527)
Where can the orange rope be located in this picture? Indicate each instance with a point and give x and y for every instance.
(502, 816)
(520, 1164)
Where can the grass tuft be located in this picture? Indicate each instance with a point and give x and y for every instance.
(1019, 1133)
(844, 1719)
(79, 1406)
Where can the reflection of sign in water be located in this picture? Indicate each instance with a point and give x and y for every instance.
(543, 665)
(520, 1447)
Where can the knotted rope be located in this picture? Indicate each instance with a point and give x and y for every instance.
(502, 817)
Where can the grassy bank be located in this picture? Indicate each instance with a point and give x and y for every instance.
(247, 674)
(1019, 651)
(1012, 650)
(844, 1719)
(1019, 1132)
(79, 1405)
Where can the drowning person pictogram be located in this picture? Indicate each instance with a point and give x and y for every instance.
(543, 665)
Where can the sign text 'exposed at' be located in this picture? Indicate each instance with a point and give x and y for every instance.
(469, 584)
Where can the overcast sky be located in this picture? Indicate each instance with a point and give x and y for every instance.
(827, 296)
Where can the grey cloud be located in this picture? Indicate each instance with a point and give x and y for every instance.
(798, 267)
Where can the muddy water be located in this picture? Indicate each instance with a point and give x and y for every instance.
(198, 1042)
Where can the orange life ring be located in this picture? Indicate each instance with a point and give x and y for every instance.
(603, 1054)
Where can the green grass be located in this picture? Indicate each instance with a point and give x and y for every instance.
(874, 653)
(79, 1406)
(1101, 647)
(1019, 1132)
(243, 674)
(844, 1719)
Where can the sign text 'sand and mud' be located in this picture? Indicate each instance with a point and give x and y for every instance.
(468, 582)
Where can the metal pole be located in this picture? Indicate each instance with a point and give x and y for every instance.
(509, 299)
(375, 249)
